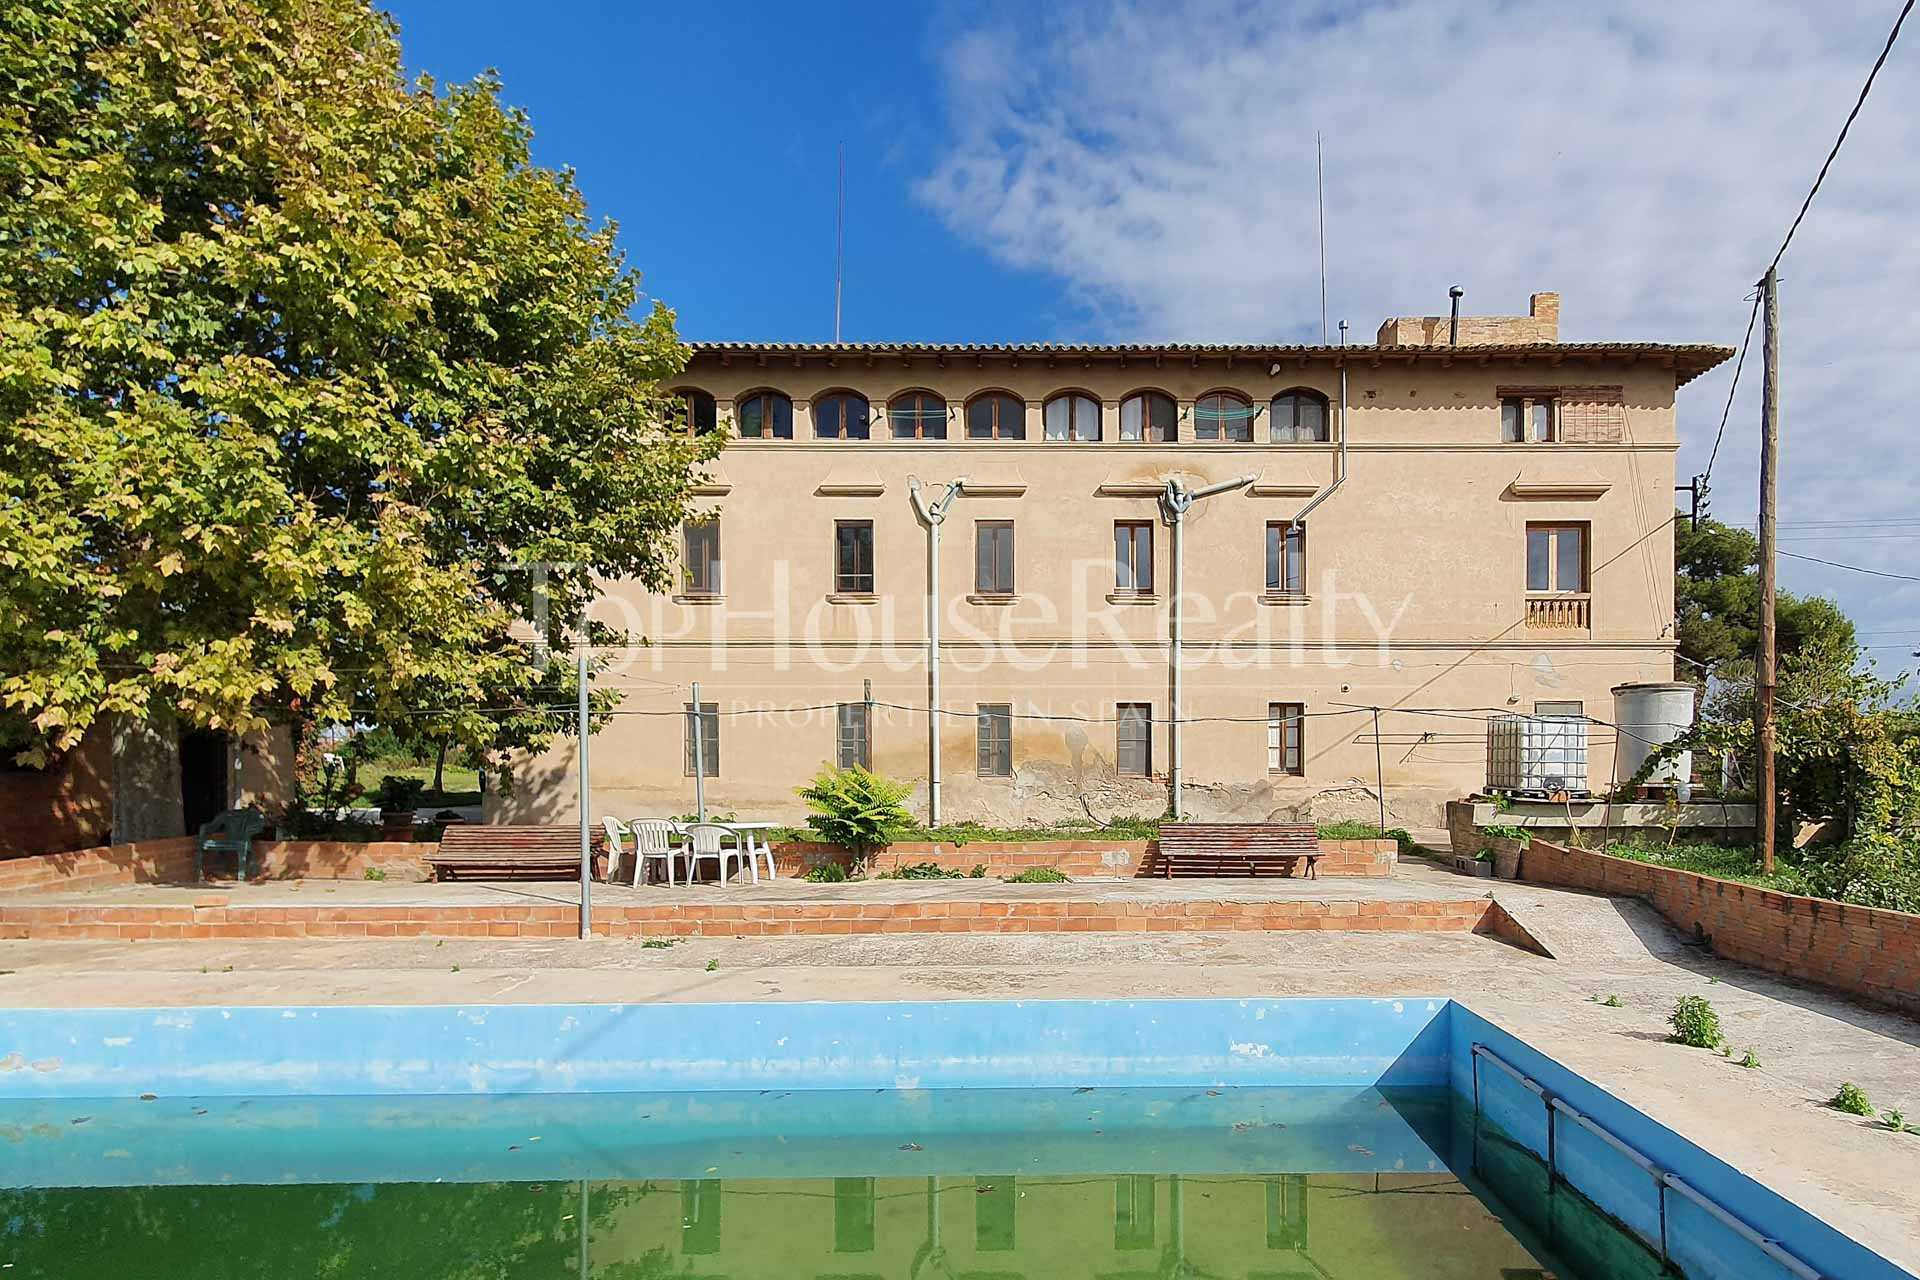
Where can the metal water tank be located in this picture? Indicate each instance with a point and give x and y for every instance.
(1649, 716)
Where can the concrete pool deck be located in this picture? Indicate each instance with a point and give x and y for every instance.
(1770, 1122)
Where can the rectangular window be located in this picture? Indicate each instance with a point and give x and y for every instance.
(1287, 1211)
(702, 556)
(1286, 558)
(853, 727)
(1133, 556)
(1557, 557)
(853, 557)
(1133, 739)
(1284, 722)
(1577, 709)
(993, 742)
(707, 725)
(993, 557)
(1528, 419)
(853, 1203)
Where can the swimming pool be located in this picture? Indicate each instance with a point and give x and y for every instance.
(1269, 1139)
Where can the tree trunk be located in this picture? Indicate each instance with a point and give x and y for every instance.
(440, 770)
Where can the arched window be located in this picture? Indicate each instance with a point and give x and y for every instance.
(918, 415)
(695, 411)
(764, 415)
(1223, 415)
(1072, 416)
(840, 415)
(1148, 416)
(996, 416)
(1299, 416)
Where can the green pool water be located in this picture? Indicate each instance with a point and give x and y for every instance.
(1108, 1184)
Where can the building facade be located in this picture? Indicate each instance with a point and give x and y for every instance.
(1440, 529)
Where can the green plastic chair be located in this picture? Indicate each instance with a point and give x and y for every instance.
(230, 832)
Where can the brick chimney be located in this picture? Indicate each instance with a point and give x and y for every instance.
(1540, 324)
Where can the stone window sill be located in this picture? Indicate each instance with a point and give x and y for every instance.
(993, 597)
(1132, 597)
(700, 597)
(852, 597)
(1286, 598)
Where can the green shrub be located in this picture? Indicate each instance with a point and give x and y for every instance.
(857, 809)
(1038, 875)
(1348, 829)
(397, 794)
(1695, 1023)
(1852, 1099)
(1872, 871)
(1502, 831)
(979, 871)
(1402, 837)
(826, 873)
(920, 871)
(374, 873)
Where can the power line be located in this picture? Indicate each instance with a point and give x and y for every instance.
(1733, 386)
(1861, 101)
(1878, 573)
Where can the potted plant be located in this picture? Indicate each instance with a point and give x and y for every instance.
(1507, 844)
(399, 801)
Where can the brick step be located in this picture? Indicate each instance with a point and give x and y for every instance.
(1023, 915)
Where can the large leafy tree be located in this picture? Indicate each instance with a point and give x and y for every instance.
(302, 365)
(1717, 598)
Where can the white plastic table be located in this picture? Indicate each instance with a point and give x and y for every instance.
(755, 844)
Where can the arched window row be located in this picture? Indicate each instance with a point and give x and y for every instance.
(1298, 415)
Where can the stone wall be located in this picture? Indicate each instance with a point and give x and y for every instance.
(1864, 951)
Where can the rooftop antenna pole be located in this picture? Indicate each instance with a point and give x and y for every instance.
(1320, 195)
(839, 242)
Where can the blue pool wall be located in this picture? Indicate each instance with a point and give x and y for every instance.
(430, 1049)
(1704, 1247)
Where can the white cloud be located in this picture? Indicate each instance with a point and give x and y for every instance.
(1644, 159)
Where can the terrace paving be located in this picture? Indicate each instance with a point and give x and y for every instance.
(1769, 1122)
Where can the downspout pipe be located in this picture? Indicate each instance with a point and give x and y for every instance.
(1340, 470)
(933, 515)
(1175, 502)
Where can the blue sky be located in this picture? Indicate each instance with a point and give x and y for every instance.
(709, 131)
(1111, 170)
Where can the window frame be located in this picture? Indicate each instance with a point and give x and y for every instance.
(1074, 398)
(691, 400)
(1554, 529)
(842, 577)
(1284, 720)
(692, 582)
(1136, 718)
(852, 735)
(929, 423)
(1283, 536)
(776, 402)
(1145, 396)
(843, 396)
(708, 719)
(997, 399)
(1134, 529)
(993, 739)
(1223, 394)
(1299, 396)
(997, 586)
(1524, 402)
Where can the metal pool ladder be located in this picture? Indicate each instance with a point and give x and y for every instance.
(1663, 1180)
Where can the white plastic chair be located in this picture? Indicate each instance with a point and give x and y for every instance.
(616, 836)
(653, 840)
(708, 842)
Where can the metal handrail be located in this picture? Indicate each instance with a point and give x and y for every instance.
(1663, 1178)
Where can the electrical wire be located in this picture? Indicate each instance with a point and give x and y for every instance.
(1878, 573)
(1725, 413)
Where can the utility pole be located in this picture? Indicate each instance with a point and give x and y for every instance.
(1765, 661)
(582, 678)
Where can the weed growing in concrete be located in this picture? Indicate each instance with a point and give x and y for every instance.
(712, 965)
(1694, 1023)
(374, 873)
(1751, 1061)
(1852, 1099)
(657, 944)
(455, 969)
(920, 871)
(1896, 1119)
(1038, 875)
(1611, 1002)
(979, 871)
(826, 873)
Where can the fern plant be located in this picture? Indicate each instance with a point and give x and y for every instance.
(858, 810)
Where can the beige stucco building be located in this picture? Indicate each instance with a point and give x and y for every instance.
(1487, 527)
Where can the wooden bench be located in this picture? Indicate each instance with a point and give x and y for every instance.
(496, 851)
(1257, 848)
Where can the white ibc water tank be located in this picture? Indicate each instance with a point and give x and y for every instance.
(1648, 716)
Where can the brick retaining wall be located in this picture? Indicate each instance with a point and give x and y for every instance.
(103, 867)
(214, 917)
(1081, 859)
(1865, 951)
